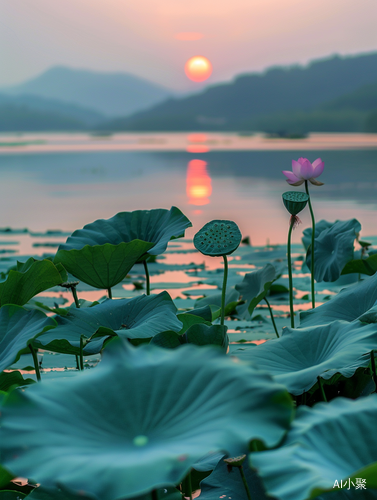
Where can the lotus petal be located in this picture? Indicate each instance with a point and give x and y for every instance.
(174, 408)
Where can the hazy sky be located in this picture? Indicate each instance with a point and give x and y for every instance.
(149, 37)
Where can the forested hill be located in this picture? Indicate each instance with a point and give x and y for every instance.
(250, 98)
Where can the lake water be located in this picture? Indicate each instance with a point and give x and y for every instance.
(63, 181)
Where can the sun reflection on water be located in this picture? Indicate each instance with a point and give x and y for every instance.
(198, 183)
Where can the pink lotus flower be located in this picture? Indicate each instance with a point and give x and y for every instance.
(303, 171)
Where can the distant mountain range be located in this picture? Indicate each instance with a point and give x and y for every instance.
(110, 94)
(334, 94)
(326, 95)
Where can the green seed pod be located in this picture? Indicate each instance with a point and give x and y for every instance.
(218, 238)
(295, 201)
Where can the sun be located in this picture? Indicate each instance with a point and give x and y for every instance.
(198, 68)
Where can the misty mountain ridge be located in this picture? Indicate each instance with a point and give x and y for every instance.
(240, 104)
(110, 94)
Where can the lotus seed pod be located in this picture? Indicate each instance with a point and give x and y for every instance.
(218, 238)
(295, 201)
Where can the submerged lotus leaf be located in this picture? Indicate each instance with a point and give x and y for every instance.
(327, 443)
(295, 201)
(30, 278)
(222, 484)
(254, 288)
(174, 408)
(157, 226)
(102, 266)
(301, 355)
(18, 328)
(218, 238)
(349, 304)
(138, 318)
(333, 248)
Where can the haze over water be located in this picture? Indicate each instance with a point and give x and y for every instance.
(66, 181)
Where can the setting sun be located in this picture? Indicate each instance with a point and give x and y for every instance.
(198, 68)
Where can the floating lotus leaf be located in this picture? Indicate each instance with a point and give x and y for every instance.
(218, 238)
(18, 328)
(31, 278)
(174, 408)
(330, 442)
(102, 266)
(224, 484)
(333, 248)
(141, 317)
(254, 288)
(295, 201)
(301, 355)
(348, 305)
(154, 226)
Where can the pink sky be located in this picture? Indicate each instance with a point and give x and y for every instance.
(140, 37)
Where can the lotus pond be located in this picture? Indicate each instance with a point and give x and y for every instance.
(135, 366)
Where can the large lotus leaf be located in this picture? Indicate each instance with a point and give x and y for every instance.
(102, 266)
(347, 305)
(254, 288)
(18, 328)
(366, 266)
(5, 476)
(201, 334)
(141, 317)
(144, 416)
(231, 301)
(301, 355)
(154, 226)
(11, 495)
(330, 442)
(12, 379)
(333, 248)
(223, 484)
(31, 278)
(319, 227)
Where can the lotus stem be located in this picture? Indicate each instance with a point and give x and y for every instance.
(244, 482)
(322, 389)
(109, 293)
(223, 293)
(77, 362)
(35, 360)
(312, 245)
(75, 298)
(147, 279)
(272, 317)
(373, 367)
(81, 357)
(187, 486)
(291, 224)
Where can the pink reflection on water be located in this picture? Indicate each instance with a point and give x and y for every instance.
(198, 183)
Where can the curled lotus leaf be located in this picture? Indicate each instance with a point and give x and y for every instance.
(323, 224)
(349, 304)
(333, 248)
(218, 238)
(301, 355)
(18, 328)
(137, 318)
(102, 266)
(174, 409)
(318, 451)
(157, 226)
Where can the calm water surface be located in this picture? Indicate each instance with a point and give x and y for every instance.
(66, 181)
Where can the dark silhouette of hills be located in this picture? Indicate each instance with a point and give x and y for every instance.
(110, 94)
(323, 94)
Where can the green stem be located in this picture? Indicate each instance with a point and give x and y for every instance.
(244, 482)
(109, 293)
(223, 293)
(322, 389)
(187, 486)
(81, 357)
(77, 362)
(35, 360)
(373, 365)
(272, 317)
(291, 224)
(76, 299)
(147, 279)
(312, 246)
